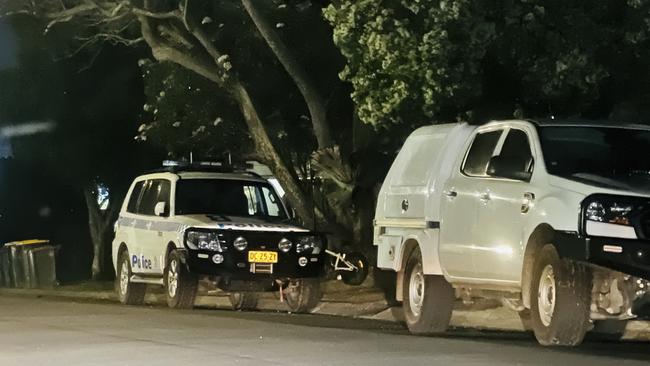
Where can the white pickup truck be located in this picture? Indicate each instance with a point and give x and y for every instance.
(551, 218)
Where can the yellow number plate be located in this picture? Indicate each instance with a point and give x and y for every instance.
(262, 257)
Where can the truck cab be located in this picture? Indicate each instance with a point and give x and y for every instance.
(551, 217)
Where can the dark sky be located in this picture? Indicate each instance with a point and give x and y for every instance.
(7, 46)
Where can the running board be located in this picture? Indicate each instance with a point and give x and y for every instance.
(147, 280)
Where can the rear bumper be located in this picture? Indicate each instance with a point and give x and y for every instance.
(623, 255)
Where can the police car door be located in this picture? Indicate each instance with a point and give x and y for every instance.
(148, 233)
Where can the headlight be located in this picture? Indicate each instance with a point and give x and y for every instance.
(306, 243)
(203, 240)
(609, 212)
(240, 243)
(611, 216)
(285, 245)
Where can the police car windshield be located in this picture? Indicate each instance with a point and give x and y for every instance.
(605, 151)
(227, 197)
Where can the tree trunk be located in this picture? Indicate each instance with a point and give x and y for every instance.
(315, 102)
(99, 223)
(297, 197)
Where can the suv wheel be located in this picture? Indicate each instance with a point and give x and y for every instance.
(180, 284)
(560, 299)
(428, 299)
(128, 293)
(243, 300)
(303, 295)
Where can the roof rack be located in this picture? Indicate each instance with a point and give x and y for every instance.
(176, 167)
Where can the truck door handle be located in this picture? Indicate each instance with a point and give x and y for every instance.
(451, 194)
(485, 197)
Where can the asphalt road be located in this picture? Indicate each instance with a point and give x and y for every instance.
(39, 331)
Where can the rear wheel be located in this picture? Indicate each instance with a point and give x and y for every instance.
(243, 300)
(303, 295)
(560, 299)
(355, 277)
(180, 284)
(128, 293)
(428, 299)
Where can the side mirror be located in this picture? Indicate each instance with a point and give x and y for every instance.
(160, 209)
(510, 167)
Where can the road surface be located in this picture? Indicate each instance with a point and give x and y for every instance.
(40, 331)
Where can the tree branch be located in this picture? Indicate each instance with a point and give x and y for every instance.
(164, 52)
(174, 14)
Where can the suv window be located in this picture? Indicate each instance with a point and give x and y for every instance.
(227, 197)
(480, 153)
(132, 206)
(155, 190)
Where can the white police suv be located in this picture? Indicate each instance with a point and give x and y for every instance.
(186, 223)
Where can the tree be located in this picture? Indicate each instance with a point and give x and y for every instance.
(191, 35)
(417, 62)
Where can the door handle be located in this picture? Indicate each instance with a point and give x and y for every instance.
(451, 194)
(485, 197)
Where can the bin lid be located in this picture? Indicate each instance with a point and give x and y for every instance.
(28, 242)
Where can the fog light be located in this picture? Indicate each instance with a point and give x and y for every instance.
(302, 261)
(285, 245)
(217, 258)
(240, 243)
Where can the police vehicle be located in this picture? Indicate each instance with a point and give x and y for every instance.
(186, 223)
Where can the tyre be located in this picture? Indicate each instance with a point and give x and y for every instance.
(243, 300)
(560, 299)
(180, 284)
(608, 330)
(128, 293)
(355, 278)
(303, 295)
(428, 299)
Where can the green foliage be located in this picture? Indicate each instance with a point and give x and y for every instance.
(421, 61)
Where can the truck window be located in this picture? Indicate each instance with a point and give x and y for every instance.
(480, 152)
(132, 206)
(516, 144)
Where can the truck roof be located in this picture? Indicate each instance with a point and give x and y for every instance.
(587, 123)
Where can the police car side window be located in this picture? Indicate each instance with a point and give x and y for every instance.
(156, 190)
(132, 206)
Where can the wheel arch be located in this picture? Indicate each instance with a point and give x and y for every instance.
(542, 235)
(171, 246)
(408, 247)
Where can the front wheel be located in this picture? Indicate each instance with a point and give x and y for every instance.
(303, 295)
(428, 299)
(180, 284)
(243, 300)
(128, 293)
(560, 299)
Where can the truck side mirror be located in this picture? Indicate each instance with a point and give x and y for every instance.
(510, 167)
(160, 209)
